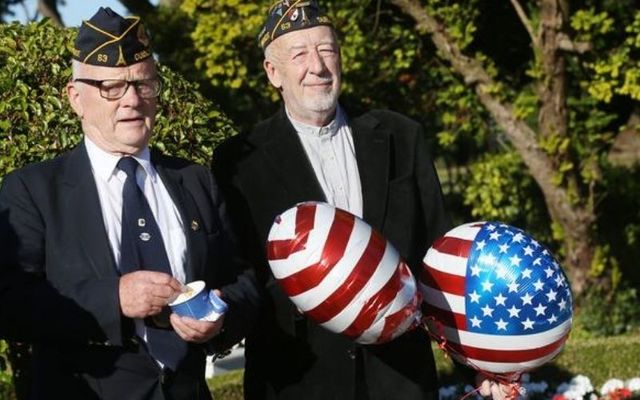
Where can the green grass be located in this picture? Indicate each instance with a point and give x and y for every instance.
(227, 386)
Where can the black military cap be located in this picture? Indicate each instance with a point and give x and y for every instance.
(291, 15)
(110, 40)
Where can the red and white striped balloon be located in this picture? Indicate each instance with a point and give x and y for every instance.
(342, 274)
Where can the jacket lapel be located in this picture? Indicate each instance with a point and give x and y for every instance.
(84, 203)
(196, 244)
(372, 155)
(286, 156)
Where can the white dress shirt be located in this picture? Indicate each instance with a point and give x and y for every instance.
(110, 182)
(333, 158)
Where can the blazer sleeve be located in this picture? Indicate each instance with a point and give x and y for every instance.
(240, 290)
(31, 307)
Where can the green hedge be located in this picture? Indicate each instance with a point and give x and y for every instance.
(37, 123)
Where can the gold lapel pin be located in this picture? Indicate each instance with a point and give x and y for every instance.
(195, 225)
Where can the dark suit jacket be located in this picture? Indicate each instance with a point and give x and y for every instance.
(265, 172)
(59, 281)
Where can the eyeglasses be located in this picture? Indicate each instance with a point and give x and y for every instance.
(113, 89)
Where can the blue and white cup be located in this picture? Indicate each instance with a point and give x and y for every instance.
(198, 303)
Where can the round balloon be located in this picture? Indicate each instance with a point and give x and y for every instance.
(342, 274)
(496, 297)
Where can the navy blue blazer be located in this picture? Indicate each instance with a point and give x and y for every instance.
(266, 171)
(59, 281)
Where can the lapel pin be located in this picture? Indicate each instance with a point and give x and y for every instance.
(195, 225)
(145, 237)
(141, 222)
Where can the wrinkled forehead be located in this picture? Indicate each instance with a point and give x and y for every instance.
(306, 37)
(141, 70)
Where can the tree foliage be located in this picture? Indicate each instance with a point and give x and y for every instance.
(36, 121)
(523, 98)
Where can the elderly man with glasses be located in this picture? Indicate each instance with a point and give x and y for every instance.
(96, 242)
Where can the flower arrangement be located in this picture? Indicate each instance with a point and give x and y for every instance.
(579, 388)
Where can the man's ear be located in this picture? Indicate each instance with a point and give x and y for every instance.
(74, 99)
(272, 73)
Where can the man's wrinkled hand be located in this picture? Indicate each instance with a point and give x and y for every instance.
(193, 330)
(493, 389)
(144, 293)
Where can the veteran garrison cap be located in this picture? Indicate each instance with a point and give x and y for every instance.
(109, 40)
(286, 16)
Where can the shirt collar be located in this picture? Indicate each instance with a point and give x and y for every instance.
(331, 129)
(104, 164)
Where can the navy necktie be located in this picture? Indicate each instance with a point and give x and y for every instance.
(142, 248)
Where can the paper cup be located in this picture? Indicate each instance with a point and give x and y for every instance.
(198, 303)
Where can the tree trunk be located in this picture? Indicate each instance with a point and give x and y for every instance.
(572, 212)
(49, 9)
(141, 8)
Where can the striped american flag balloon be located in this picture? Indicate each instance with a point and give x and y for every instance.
(497, 296)
(342, 274)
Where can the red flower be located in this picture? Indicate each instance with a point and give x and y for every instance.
(620, 394)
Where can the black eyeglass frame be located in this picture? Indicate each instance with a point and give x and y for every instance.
(98, 83)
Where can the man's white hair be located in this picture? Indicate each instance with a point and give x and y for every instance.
(75, 68)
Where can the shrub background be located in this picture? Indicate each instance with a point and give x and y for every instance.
(37, 123)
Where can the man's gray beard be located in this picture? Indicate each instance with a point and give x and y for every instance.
(322, 103)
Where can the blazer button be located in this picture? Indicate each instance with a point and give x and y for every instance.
(352, 354)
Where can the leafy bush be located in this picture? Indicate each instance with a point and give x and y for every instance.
(607, 314)
(37, 122)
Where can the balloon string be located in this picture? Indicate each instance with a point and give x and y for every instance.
(511, 380)
(470, 393)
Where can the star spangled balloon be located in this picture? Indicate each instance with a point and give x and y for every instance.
(497, 296)
(342, 274)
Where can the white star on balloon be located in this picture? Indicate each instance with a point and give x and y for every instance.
(518, 237)
(540, 309)
(562, 304)
(502, 325)
(486, 285)
(526, 299)
(515, 260)
(528, 251)
(514, 312)
(500, 299)
(538, 285)
(501, 272)
(503, 248)
(549, 272)
(475, 297)
(487, 311)
(528, 324)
